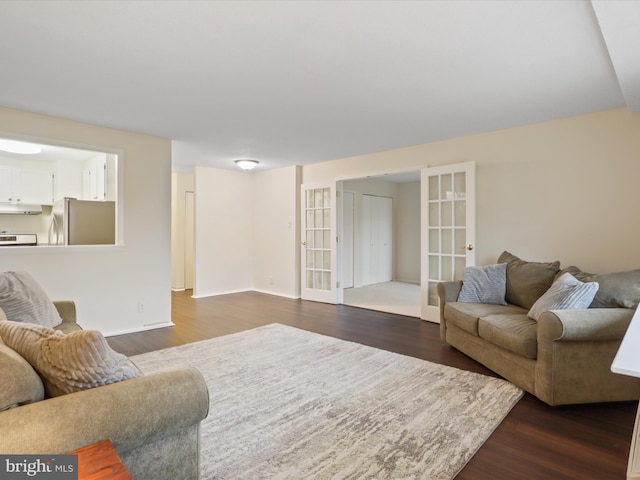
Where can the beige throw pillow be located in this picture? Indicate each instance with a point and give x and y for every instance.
(67, 363)
(20, 383)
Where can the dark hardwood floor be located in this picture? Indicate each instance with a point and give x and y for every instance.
(535, 441)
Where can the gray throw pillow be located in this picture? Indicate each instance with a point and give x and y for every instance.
(527, 281)
(566, 293)
(24, 300)
(484, 284)
(617, 290)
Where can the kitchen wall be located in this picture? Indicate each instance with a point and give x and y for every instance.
(117, 289)
(38, 224)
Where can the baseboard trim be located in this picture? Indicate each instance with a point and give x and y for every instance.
(277, 294)
(143, 328)
(215, 294)
(267, 292)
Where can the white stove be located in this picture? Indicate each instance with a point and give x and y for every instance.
(11, 239)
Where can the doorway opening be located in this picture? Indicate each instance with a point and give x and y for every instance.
(380, 266)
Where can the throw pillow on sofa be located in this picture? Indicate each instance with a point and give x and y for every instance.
(527, 281)
(617, 290)
(67, 363)
(23, 300)
(486, 284)
(20, 383)
(566, 293)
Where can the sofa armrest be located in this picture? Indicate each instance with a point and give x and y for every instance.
(66, 310)
(591, 324)
(130, 414)
(447, 292)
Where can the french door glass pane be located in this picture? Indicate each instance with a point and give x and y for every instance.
(447, 241)
(318, 236)
(460, 186)
(460, 213)
(447, 214)
(434, 190)
(434, 214)
(446, 190)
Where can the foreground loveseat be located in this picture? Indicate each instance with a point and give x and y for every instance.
(563, 357)
(152, 420)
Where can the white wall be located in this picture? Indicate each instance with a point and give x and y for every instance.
(223, 214)
(247, 231)
(108, 283)
(565, 189)
(181, 183)
(407, 241)
(276, 231)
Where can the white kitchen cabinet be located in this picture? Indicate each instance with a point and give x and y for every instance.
(6, 187)
(28, 186)
(94, 178)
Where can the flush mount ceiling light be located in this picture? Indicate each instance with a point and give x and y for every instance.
(247, 164)
(13, 146)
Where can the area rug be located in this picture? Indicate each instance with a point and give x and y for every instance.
(289, 404)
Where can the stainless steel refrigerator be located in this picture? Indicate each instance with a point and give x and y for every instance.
(82, 222)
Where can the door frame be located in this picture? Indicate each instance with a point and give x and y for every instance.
(331, 294)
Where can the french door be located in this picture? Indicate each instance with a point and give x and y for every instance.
(318, 237)
(447, 230)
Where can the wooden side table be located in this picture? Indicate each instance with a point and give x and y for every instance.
(100, 461)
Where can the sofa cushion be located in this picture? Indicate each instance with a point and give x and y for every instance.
(23, 300)
(465, 315)
(67, 363)
(617, 290)
(527, 281)
(20, 382)
(485, 284)
(515, 333)
(566, 293)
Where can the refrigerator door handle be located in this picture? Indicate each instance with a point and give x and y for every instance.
(53, 230)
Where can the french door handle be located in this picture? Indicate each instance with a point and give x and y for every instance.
(469, 247)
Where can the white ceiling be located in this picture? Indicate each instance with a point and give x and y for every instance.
(299, 82)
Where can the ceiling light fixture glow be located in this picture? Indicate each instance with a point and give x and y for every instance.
(247, 164)
(13, 146)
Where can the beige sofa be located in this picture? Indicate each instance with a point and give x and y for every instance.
(562, 358)
(153, 420)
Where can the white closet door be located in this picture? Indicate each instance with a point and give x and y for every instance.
(367, 243)
(377, 241)
(384, 215)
